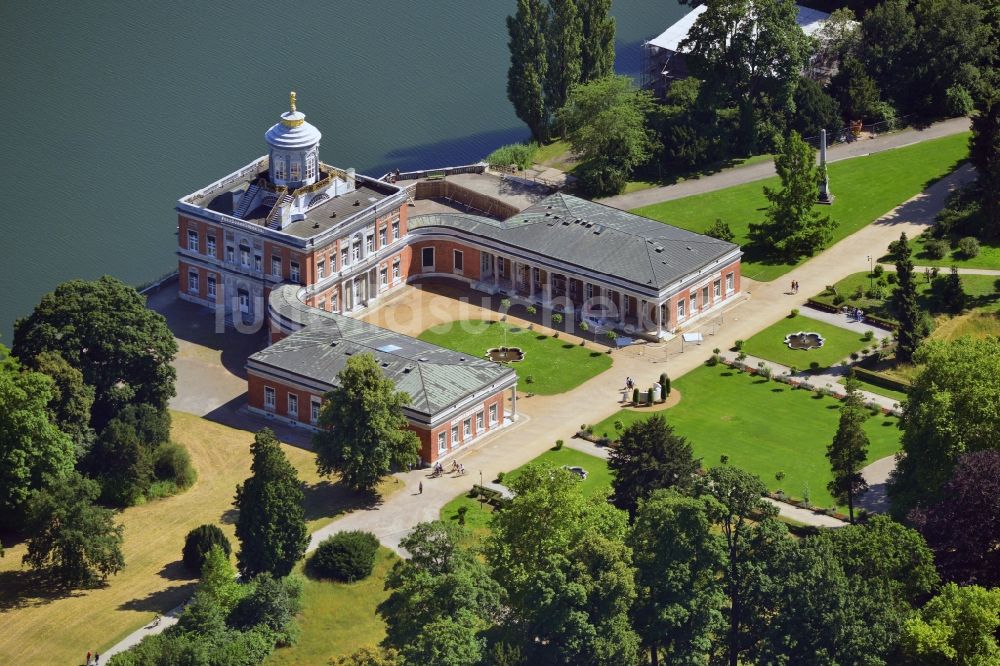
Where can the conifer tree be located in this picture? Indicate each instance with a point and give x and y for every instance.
(849, 449)
(984, 153)
(905, 302)
(953, 295)
(528, 65)
(598, 45)
(564, 44)
(271, 526)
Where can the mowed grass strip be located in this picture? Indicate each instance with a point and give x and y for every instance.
(553, 365)
(865, 189)
(838, 343)
(763, 427)
(52, 628)
(338, 618)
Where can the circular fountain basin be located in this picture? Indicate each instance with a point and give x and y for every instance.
(804, 341)
(505, 354)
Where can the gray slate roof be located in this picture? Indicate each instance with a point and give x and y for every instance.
(594, 237)
(435, 378)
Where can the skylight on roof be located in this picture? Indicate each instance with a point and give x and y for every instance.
(388, 349)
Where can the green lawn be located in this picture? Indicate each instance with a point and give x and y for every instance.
(865, 385)
(477, 517)
(550, 365)
(988, 257)
(770, 344)
(981, 289)
(763, 427)
(865, 188)
(338, 618)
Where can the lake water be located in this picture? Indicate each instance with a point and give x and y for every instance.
(113, 110)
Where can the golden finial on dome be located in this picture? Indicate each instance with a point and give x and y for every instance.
(292, 100)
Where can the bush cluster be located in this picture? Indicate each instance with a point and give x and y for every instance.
(516, 154)
(345, 556)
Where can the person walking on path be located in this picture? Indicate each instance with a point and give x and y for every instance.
(88, 657)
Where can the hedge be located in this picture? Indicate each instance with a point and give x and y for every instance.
(878, 379)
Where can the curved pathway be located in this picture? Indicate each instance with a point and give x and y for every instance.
(759, 171)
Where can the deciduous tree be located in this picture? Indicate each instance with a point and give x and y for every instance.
(33, 451)
(793, 226)
(953, 408)
(72, 399)
(363, 434)
(677, 560)
(649, 456)
(72, 539)
(904, 302)
(528, 65)
(959, 626)
(271, 526)
(104, 329)
(963, 528)
(849, 449)
(984, 150)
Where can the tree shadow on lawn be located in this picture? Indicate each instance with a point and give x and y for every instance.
(161, 601)
(176, 571)
(23, 588)
(326, 499)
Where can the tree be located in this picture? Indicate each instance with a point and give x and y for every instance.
(904, 302)
(953, 296)
(649, 456)
(953, 408)
(72, 399)
(562, 560)
(271, 526)
(439, 585)
(984, 152)
(885, 55)
(848, 451)
(564, 43)
(597, 47)
(218, 580)
(33, 451)
(199, 541)
(959, 626)
(750, 52)
(856, 92)
(75, 541)
(963, 528)
(123, 463)
(271, 603)
(838, 37)
(738, 496)
(103, 327)
(605, 121)
(721, 230)
(951, 36)
(528, 65)
(363, 433)
(369, 656)
(815, 110)
(793, 227)
(677, 559)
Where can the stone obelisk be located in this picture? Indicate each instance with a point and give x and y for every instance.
(825, 197)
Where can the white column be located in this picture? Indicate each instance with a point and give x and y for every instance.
(496, 271)
(531, 283)
(513, 403)
(659, 319)
(624, 307)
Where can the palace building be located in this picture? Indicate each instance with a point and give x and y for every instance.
(304, 247)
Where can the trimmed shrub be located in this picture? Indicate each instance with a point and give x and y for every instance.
(869, 335)
(559, 444)
(635, 397)
(345, 556)
(665, 383)
(172, 463)
(936, 249)
(838, 299)
(815, 366)
(738, 345)
(649, 396)
(500, 476)
(878, 270)
(462, 510)
(197, 544)
(794, 313)
(969, 247)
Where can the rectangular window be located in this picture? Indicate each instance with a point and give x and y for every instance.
(268, 397)
(333, 304)
(493, 414)
(356, 251)
(275, 265)
(296, 170)
(454, 435)
(258, 263)
(442, 442)
(589, 290)
(193, 282)
(211, 286)
(479, 422)
(211, 245)
(279, 169)
(381, 237)
(730, 282)
(717, 288)
(427, 257)
(369, 244)
(395, 230)
(293, 404)
(193, 241)
(704, 297)
(467, 427)
(230, 254)
(383, 277)
(395, 270)
(680, 309)
(245, 256)
(314, 405)
(310, 167)
(294, 271)
(694, 302)
(343, 258)
(459, 261)
(320, 269)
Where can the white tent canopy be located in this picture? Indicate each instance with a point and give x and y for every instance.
(810, 20)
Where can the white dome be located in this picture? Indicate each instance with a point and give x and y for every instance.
(292, 132)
